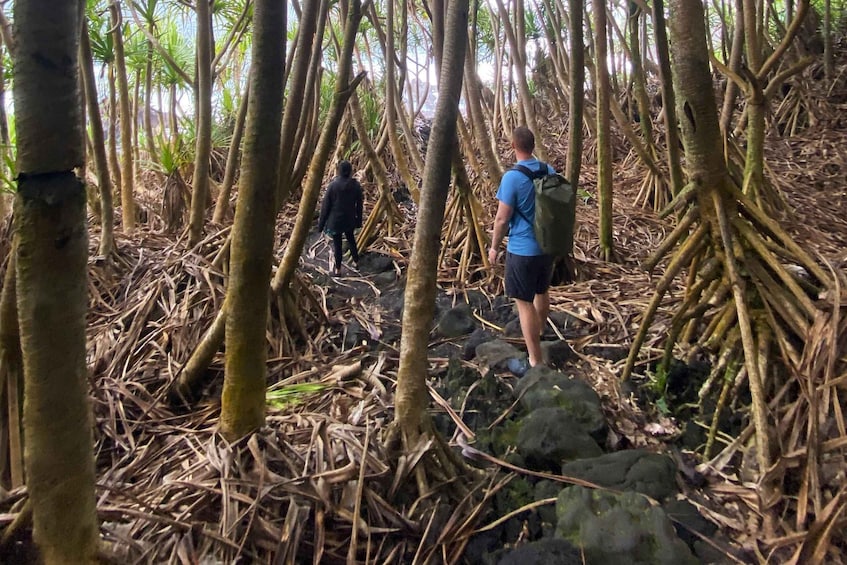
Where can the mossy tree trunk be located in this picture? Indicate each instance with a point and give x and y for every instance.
(243, 400)
(51, 280)
(741, 304)
(411, 397)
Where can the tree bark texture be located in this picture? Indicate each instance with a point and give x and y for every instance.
(707, 168)
(51, 280)
(411, 397)
(243, 399)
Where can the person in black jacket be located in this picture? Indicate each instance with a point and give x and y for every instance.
(341, 212)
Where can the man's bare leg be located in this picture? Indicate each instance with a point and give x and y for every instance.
(542, 307)
(531, 330)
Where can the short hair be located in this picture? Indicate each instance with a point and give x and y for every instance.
(523, 139)
(345, 169)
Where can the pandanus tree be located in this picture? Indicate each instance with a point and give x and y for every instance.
(411, 421)
(102, 47)
(52, 250)
(741, 303)
(243, 400)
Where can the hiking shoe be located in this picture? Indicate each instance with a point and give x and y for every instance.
(518, 366)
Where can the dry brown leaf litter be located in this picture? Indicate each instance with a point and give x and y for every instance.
(318, 478)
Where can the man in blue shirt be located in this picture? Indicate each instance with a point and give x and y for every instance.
(528, 269)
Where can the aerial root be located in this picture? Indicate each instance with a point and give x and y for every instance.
(654, 191)
(679, 260)
(679, 232)
(464, 233)
(385, 214)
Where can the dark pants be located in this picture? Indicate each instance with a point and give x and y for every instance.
(527, 276)
(351, 243)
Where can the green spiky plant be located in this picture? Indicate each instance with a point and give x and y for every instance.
(171, 160)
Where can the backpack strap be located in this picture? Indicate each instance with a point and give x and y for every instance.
(531, 175)
(542, 170)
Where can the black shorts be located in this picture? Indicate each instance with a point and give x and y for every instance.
(528, 276)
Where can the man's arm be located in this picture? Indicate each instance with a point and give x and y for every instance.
(501, 226)
(325, 207)
(359, 201)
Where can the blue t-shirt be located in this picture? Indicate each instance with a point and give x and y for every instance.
(516, 190)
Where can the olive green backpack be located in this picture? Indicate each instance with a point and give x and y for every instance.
(555, 210)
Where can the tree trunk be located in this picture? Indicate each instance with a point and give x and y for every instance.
(638, 80)
(704, 156)
(114, 162)
(735, 54)
(604, 148)
(516, 39)
(484, 137)
(148, 95)
(51, 280)
(668, 100)
(202, 154)
(134, 109)
(298, 76)
(232, 158)
(11, 379)
(307, 126)
(5, 142)
(243, 399)
(577, 92)
(107, 212)
(127, 122)
(391, 104)
(828, 60)
(411, 398)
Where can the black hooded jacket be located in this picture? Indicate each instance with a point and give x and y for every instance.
(341, 210)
